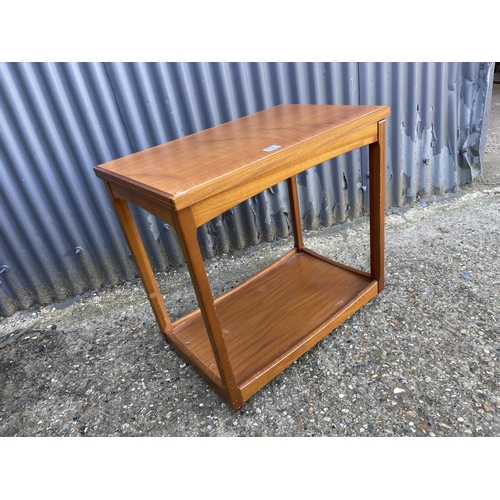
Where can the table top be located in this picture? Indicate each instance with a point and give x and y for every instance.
(214, 159)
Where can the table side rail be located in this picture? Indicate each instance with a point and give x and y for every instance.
(209, 373)
(365, 274)
(209, 208)
(158, 208)
(338, 136)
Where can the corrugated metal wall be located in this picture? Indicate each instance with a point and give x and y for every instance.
(58, 234)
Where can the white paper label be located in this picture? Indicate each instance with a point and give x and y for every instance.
(271, 148)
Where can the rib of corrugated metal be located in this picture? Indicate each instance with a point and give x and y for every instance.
(58, 234)
(436, 123)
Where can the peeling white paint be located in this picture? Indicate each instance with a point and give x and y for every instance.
(153, 227)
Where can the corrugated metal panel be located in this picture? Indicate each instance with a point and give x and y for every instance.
(436, 123)
(58, 234)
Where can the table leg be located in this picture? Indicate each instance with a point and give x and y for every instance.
(186, 232)
(138, 252)
(295, 212)
(377, 206)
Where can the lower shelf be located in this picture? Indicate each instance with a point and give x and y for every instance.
(274, 317)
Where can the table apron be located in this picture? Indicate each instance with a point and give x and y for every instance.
(209, 208)
(159, 208)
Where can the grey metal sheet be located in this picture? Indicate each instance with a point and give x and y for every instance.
(58, 234)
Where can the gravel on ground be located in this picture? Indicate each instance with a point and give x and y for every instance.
(420, 359)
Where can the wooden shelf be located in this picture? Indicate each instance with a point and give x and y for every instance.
(243, 339)
(274, 317)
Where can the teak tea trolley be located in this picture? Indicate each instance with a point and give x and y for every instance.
(244, 338)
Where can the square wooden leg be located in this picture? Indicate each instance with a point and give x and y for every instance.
(377, 206)
(141, 260)
(295, 212)
(186, 231)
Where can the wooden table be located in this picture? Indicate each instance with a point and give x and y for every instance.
(244, 338)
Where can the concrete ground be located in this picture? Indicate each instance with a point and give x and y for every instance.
(421, 359)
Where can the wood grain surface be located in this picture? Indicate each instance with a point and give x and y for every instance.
(192, 168)
(273, 312)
